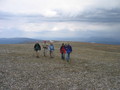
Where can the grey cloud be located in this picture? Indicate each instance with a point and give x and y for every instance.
(7, 33)
(95, 15)
(5, 15)
(99, 15)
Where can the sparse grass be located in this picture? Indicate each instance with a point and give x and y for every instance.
(92, 67)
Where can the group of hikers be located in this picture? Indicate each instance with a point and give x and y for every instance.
(65, 50)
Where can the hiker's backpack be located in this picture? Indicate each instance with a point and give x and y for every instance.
(37, 47)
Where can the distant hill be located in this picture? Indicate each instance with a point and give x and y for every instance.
(17, 40)
(101, 40)
(104, 40)
(90, 40)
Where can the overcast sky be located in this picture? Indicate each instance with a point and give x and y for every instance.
(51, 19)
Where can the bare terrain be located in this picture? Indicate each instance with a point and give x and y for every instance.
(92, 67)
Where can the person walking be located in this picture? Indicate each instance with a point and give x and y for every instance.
(45, 48)
(68, 51)
(51, 49)
(37, 48)
(62, 51)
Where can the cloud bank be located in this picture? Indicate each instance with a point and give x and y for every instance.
(60, 18)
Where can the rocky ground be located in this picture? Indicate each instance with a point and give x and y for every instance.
(92, 67)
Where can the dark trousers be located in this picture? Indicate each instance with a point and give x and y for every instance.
(67, 56)
(62, 55)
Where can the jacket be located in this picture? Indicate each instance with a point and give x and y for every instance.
(69, 49)
(37, 46)
(62, 49)
(51, 47)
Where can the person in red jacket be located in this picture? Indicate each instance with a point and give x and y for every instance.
(62, 51)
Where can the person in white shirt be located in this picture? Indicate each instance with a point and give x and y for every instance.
(45, 48)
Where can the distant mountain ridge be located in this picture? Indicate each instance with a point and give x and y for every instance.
(89, 40)
(17, 40)
(100, 40)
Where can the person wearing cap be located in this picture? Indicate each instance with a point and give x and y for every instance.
(45, 48)
(51, 49)
(37, 48)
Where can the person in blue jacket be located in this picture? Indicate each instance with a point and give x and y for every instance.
(51, 49)
(68, 51)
